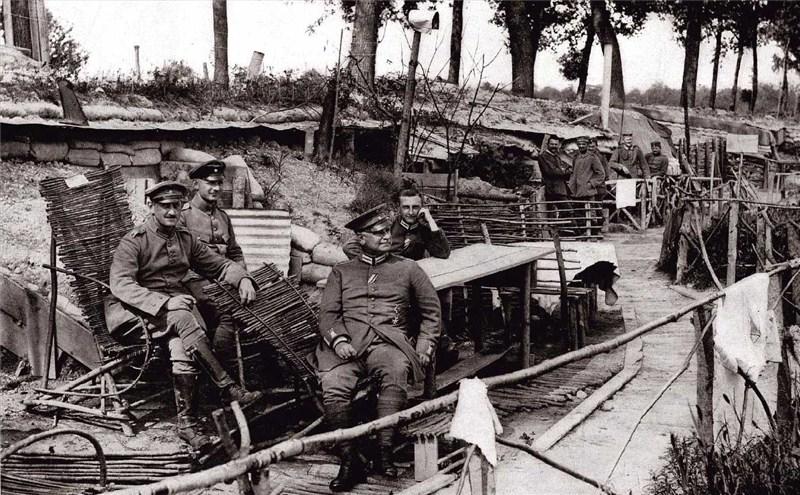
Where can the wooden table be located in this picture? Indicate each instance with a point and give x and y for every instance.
(493, 266)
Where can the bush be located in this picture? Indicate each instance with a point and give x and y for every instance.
(377, 186)
(67, 58)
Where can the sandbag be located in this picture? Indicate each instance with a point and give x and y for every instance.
(49, 152)
(313, 273)
(118, 148)
(14, 149)
(167, 146)
(114, 159)
(304, 239)
(145, 145)
(147, 156)
(236, 161)
(328, 253)
(84, 158)
(189, 155)
(304, 256)
(85, 145)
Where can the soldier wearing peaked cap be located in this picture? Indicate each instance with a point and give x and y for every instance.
(588, 175)
(365, 331)
(631, 158)
(211, 225)
(657, 162)
(147, 274)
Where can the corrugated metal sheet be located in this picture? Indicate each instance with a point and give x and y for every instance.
(264, 235)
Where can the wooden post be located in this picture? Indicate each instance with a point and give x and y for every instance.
(426, 457)
(40, 49)
(8, 23)
(605, 97)
(481, 475)
(205, 71)
(256, 63)
(475, 315)
(705, 377)
(408, 104)
(733, 236)
(308, 148)
(562, 278)
(239, 192)
(643, 206)
(525, 293)
(137, 65)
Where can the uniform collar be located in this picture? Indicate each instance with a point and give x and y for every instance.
(407, 226)
(373, 260)
(203, 205)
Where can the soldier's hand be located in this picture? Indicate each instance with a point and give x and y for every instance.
(181, 301)
(247, 292)
(345, 351)
(425, 357)
(425, 214)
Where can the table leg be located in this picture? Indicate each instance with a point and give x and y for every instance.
(475, 319)
(525, 292)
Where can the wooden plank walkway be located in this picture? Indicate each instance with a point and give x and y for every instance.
(592, 447)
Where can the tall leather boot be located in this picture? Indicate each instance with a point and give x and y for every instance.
(351, 470)
(209, 363)
(185, 386)
(390, 401)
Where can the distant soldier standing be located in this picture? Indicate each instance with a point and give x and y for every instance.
(629, 156)
(364, 316)
(212, 226)
(146, 275)
(656, 162)
(588, 175)
(555, 173)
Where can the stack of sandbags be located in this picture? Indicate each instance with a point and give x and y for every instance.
(312, 257)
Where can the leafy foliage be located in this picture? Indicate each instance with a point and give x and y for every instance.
(67, 57)
(378, 185)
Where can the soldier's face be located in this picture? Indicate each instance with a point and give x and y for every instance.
(377, 240)
(656, 150)
(167, 213)
(409, 208)
(209, 189)
(553, 145)
(582, 145)
(592, 146)
(627, 141)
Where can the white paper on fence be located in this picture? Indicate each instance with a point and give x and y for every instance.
(475, 420)
(745, 333)
(626, 193)
(746, 337)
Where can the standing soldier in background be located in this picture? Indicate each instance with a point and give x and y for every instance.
(630, 159)
(656, 162)
(555, 173)
(147, 275)
(212, 226)
(588, 177)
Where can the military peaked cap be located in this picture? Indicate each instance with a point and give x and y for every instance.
(655, 143)
(169, 190)
(583, 139)
(371, 217)
(211, 168)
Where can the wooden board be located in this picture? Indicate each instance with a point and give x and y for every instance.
(24, 325)
(477, 261)
(463, 369)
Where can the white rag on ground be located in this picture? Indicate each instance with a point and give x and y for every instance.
(626, 193)
(475, 420)
(745, 333)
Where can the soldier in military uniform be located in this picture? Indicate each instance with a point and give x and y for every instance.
(146, 275)
(629, 159)
(555, 174)
(211, 225)
(365, 331)
(413, 232)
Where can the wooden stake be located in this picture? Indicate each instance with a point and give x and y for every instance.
(733, 237)
(705, 377)
(137, 66)
(408, 104)
(605, 97)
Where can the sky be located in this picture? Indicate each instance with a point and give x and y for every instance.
(182, 30)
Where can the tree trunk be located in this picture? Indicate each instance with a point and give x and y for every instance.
(754, 45)
(586, 53)
(712, 97)
(783, 98)
(364, 44)
(220, 13)
(455, 42)
(735, 88)
(606, 35)
(520, 40)
(325, 129)
(691, 54)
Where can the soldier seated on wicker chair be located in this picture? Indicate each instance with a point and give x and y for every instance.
(146, 275)
(364, 325)
(203, 218)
